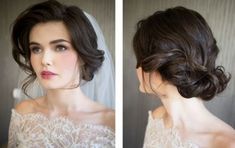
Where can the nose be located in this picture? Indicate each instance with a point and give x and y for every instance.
(47, 58)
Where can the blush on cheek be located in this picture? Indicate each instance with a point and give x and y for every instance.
(69, 61)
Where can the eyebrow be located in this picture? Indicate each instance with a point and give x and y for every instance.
(51, 42)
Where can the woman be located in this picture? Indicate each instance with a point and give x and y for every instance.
(57, 45)
(176, 53)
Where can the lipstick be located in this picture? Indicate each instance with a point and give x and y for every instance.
(47, 74)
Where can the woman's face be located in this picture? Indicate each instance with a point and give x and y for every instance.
(53, 57)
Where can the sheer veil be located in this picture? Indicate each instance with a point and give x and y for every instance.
(100, 88)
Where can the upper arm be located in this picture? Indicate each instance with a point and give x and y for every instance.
(15, 122)
(12, 132)
(24, 107)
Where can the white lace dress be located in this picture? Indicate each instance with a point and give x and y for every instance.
(156, 136)
(35, 130)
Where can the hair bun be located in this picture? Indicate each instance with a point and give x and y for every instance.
(206, 86)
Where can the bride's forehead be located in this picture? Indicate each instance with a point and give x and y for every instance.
(49, 30)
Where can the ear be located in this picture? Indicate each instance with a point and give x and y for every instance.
(156, 80)
(156, 77)
(159, 86)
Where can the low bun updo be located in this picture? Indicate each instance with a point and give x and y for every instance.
(179, 44)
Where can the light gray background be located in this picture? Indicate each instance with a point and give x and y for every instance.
(220, 14)
(102, 10)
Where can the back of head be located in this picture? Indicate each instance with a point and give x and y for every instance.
(179, 44)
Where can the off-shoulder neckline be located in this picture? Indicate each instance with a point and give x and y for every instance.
(63, 118)
(159, 120)
(173, 130)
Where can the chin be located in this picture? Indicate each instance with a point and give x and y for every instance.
(47, 87)
(51, 85)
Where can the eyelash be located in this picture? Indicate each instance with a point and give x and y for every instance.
(58, 48)
(35, 50)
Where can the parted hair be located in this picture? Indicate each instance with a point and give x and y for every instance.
(179, 44)
(83, 36)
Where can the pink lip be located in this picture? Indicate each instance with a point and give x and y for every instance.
(47, 74)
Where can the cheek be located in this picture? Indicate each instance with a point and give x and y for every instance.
(144, 81)
(141, 80)
(68, 61)
(139, 75)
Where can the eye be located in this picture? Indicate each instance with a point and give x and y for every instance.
(36, 50)
(61, 48)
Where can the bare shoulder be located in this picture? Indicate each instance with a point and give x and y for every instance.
(27, 106)
(230, 140)
(102, 115)
(159, 112)
(108, 118)
(226, 140)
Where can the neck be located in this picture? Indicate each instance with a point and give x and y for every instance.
(65, 100)
(184, 113)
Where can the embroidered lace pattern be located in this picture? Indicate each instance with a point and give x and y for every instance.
(35, 130)
(157, 136)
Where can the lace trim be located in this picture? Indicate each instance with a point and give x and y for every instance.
(39, 115)
(34, 130)
(158, 136)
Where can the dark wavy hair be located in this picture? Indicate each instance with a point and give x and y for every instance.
(83, 36)
(179, 44)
